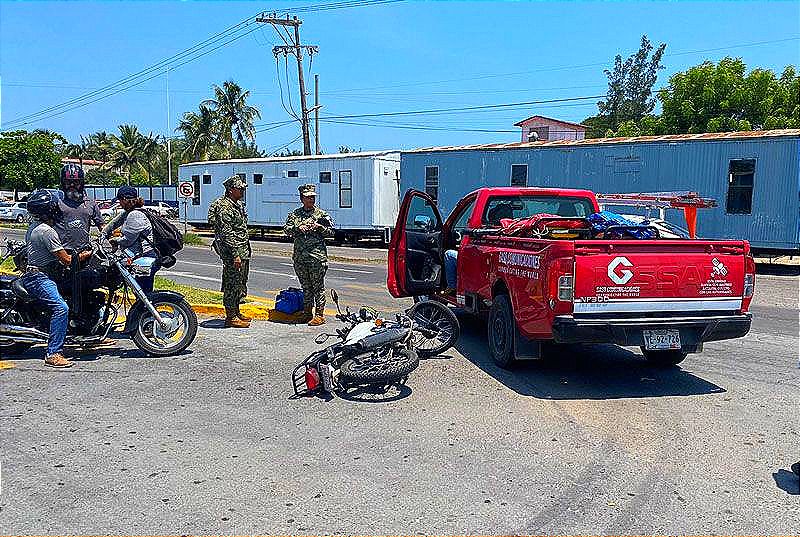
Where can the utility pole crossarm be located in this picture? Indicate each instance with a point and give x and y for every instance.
(296, 49)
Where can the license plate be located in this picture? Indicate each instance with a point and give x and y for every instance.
(656, 340)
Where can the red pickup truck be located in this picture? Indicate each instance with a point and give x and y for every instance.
(564, 283)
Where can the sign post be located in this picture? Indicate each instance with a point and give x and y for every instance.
(185, 191)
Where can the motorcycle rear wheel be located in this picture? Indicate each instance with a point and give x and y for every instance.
(378, 368)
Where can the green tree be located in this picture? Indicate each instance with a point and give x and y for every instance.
(234, 116)
(127, 151)
(288, 153)
(725, 97)
(201, 133)
(29, 160)
(630, 90)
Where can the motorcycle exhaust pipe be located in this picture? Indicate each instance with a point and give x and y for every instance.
(22, 333)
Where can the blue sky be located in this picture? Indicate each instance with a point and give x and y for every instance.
(396, 57)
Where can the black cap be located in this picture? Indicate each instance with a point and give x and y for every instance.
(127, 192)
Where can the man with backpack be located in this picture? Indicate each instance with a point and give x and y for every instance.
(136, 233)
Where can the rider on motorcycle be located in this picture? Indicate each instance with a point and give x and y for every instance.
(136, 234)
(80, 212)
(46, 258)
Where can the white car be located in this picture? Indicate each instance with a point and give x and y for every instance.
(111, 211)
(162, 208)
(15, 211)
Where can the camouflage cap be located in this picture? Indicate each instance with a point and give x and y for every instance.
(234, 181)
(307, 190)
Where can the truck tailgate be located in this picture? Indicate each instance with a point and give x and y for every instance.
(640, 277)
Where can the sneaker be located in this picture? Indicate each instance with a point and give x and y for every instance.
(317, 320)
(57, 360)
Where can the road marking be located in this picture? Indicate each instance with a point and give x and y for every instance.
(363, 287)
(189, 275)
(337, 268)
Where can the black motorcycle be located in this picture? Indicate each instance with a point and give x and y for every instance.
(161, 323)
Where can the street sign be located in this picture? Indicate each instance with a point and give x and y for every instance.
(186, 189)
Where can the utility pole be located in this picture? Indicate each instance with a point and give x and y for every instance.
(169, 138)
(316, 114)
(295, 49)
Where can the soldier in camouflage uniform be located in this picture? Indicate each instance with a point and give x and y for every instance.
(308, 226)
(228, 218)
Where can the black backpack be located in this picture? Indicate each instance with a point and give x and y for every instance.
(166, 239)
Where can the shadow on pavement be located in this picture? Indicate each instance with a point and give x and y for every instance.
(582, 371)
(787, 481)
(75, 353)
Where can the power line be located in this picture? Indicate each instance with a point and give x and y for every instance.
(24, 120)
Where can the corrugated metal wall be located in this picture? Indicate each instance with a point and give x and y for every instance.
(701, 166)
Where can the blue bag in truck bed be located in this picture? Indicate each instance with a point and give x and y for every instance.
(289, 301)
(602, 221)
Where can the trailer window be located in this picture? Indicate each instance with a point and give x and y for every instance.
(324, 177)
(345, 189)
(258, 178)
(196, 184)
(206, 179)
(513, 207)
(432, 182)
(519, 175)
(293, 173)
(740, 186)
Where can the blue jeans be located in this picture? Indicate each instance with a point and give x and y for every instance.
(45, 291)
(450, 266)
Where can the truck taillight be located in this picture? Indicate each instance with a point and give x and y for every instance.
(565, 288)
(749, 285)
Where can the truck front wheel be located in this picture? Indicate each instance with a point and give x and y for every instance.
(501, 332)
(664, 358)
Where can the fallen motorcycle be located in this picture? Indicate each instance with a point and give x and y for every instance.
(375, 352)
(161, 323)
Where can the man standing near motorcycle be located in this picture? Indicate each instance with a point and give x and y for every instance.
(308, 226)
(80, 212)
(228, 218)
(46, 258)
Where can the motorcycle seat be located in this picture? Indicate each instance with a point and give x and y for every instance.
(19, 290)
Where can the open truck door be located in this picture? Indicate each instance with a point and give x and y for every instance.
(415, 261)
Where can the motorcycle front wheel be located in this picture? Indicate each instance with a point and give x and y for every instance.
(384, 366)
(173, 339)
(436, 328)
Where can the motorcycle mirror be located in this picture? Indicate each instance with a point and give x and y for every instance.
(321, 338)
(335, 298)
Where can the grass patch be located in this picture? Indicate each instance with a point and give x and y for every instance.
(10, 225)
(193, 239)
(193, 295)
(8, 266)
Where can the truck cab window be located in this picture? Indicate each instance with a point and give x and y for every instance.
(514, 207)
(460, 224)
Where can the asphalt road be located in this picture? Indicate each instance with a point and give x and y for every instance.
(591, 442)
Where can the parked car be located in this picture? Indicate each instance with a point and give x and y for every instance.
(15, 211)
(559, 281)
(162, 208)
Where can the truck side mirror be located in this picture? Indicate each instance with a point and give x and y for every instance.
(423, 222)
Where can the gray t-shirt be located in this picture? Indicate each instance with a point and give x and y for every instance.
(73, 228)
(136, 231)
(42, 246)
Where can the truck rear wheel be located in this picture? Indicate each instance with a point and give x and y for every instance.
(501, 332)
(664, 358)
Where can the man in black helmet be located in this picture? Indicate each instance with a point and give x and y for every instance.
(80, 213)
(46, 259)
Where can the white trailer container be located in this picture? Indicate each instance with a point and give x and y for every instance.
(361, 191)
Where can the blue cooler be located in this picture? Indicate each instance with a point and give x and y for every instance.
(289, 301)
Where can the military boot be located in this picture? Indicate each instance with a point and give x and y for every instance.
(243, 317)
(318, 319)
(232, 319)
(304, 317)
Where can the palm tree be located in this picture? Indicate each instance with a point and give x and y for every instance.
(200, 132)
(79, 151)
(127, 151)
(152, 150)
(100, 145)
(234, 115)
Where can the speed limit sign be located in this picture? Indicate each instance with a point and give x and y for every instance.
(186, 189)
